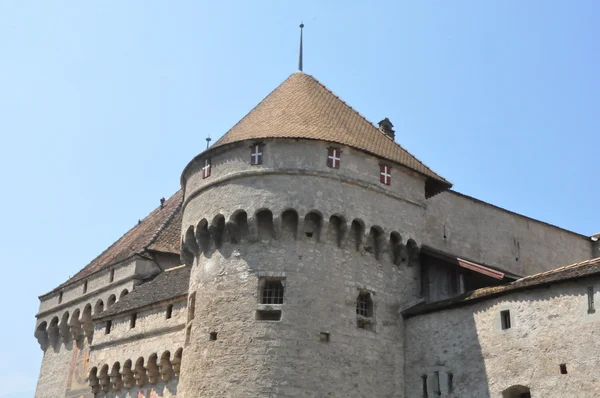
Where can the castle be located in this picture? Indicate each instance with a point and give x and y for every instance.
(308, 254)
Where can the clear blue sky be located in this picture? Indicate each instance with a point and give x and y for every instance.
(102, 104)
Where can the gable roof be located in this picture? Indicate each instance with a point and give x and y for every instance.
(302, 107)
(159, 231)
(569, 272)
(167, 285)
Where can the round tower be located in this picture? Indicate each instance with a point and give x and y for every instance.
(301, 225)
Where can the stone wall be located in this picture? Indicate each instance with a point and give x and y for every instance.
(484, 233)
(65, 330)
(292, 357)
(549, 326)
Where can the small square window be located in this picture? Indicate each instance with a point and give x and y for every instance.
(213, 336)
(334, 158)
(272, 291)
(505, 319)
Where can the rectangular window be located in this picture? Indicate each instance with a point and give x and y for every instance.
(132, 321)
(333, 158)
(256, 154)
(268, 315)
(505, 319)
(112, 276)
(450, 382)
(191, 306)
(85, 285)
(590, 295)
(385, 175)
(424, 379)
(108, 327)
(272, 292)
(60, 297)
(169, 311)
(206, 168)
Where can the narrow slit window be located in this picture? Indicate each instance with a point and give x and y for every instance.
(563, 368)
(60, 297)
(424, 379)
(505, 319)
(85, 287)
(108, 327)
(436, 383)
(191, 306)
(112, 276)
(188, 335)
(590, 296)
(272, 292)
(169, 311)
(132, 321)
(450, 382)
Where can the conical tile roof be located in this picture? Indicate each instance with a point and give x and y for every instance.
(302, 107)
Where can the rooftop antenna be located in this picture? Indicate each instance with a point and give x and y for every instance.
(208, 139)
(300, 57)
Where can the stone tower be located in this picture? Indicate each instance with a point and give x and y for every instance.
(302, 226)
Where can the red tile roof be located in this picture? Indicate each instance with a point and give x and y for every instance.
(302, 107)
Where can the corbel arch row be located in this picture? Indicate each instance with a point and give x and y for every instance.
(344, 232)
(136, 372)
(73, 326)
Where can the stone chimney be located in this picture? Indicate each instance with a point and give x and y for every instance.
(595, 245)
(387, 128)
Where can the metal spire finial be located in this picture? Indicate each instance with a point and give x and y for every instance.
(300, 57)
(208, 139)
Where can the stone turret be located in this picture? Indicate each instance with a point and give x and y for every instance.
(300, 262)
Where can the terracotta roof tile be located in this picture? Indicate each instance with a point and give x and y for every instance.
(158, 231)
(302, 107)
(562, 274)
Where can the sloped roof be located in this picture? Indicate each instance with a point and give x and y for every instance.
(562, 274)
(302, 107)
(158, 231)
(167, 285)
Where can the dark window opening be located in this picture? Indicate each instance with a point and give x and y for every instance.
(60, 297)
(563, 368)
(272, 292)
(424, 379)
(213, 336)
(191, 306)
(169, 311)
(108, 327)
(268, 315)
(364, 305)
(590, 294)
(85, 287)
(324, 337)
(309, 234)
(132, 321)
(188, 335)
(505, 319)
(436, 383)
(112, 275)
(450, 382)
